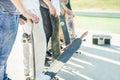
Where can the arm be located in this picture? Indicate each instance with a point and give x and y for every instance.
(63, 5)
(50, 6)
(23, 11)
(64, 1)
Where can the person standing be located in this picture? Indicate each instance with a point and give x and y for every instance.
(9, 17)
(39, 42)
(50, 11)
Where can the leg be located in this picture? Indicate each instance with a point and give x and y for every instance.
(8, 31)
(47, 28)
(46, 22)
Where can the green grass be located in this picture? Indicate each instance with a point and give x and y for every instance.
(110, 5)
(98, 23)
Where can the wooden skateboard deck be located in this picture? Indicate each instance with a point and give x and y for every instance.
(70, 26)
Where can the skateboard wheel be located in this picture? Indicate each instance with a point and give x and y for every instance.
(25, 35)
(56, 78)
(24, 40)
(61, 23)
(78, 52)
(84, 39)
(28, 78)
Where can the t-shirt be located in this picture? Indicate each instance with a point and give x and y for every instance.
(7, 6)
(56, 5)
(31, 4)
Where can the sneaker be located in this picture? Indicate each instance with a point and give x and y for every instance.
(9, 79)
(49, 53)
(44, 77)
(27, 76)
(47, 62)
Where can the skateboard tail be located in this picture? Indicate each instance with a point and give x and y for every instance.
(63, 58)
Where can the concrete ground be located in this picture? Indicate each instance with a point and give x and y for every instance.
(94, 63)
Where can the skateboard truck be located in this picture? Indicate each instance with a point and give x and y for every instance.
(26, 38)
(62, 23)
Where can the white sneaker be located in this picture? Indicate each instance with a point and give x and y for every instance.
(44, 77)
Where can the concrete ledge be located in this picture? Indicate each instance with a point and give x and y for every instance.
(114, 14)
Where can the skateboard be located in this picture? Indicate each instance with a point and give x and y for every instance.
(55, 37)
(28, 38)
(57, 65)
(64, 30)
(70, 26)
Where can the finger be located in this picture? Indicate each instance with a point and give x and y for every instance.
(35, 19)
(21, 21)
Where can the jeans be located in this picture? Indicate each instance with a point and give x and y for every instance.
(51, 27)
(46, 22)
(8, 31)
